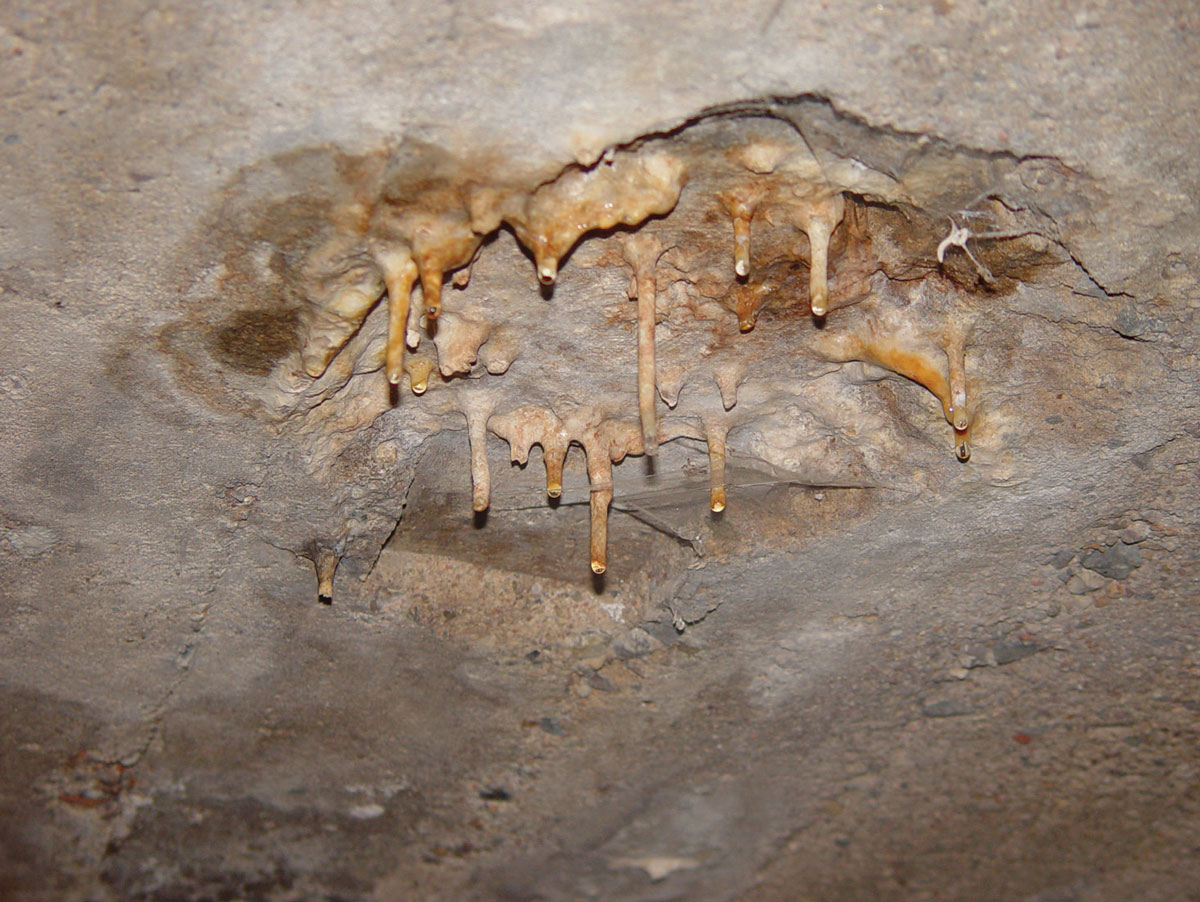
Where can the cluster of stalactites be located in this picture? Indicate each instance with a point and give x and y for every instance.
(604, 440)
(814, 208)
(787, 189)
(421, 239)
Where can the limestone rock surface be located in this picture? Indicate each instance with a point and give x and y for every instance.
(621, 451)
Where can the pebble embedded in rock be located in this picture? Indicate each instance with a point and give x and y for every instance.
(1008, 652)
(1136, 532)
(1085, 581)
(599, 681)
(946, 708)
(1132, 323)
(594, 653)
(1116, 561)
(636, 644)
(579, 686)
(664, 632)
(1060, 559)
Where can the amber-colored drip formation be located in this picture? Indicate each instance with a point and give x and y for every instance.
(604, 441)
(741, 206)
(418, 236)
(626, 191)
(326, 563)
(715, 436)
(399, 274)
(919, 366)
(818, 220)
(477, 414)
(641, 253)
(418, 369)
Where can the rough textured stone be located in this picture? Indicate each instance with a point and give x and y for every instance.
(1085, 581)
(1116, 561)
(183, 720)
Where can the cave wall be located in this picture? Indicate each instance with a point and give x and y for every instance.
(761, 702)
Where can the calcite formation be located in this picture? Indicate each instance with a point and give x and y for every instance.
(839, 257)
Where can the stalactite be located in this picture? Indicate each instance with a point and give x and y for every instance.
(914, 360)
(641, 253)
(715, 436)
(741, 206)
(399, 274)
(325, 561)
(419, 369)
(333, 321)
(458, 341)
(728, 376)
(626, 191)
(477, 412)
(747, 301)
(818, 219)
(600, 496)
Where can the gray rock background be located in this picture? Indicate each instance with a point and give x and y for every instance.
(985, 688)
